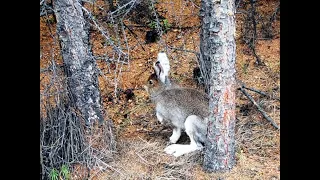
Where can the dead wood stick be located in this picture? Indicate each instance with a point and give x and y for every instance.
(259, 107)
(260, 92)
(254, 90)
(144, 161)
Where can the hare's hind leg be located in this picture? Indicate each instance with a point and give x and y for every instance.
(191, 124)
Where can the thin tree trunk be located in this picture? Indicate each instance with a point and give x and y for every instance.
(78, 61)
(217, 46)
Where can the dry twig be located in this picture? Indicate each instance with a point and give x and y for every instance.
(259, 108)
(260, 92)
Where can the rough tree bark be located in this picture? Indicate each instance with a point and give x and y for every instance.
(217, 50)
(78, 61)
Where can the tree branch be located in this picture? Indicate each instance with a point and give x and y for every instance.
(134, 35)
(259, 107)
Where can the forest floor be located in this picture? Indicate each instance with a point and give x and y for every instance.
(141, 139)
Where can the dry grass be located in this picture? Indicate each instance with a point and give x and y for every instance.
(139, 158)
(142, 159)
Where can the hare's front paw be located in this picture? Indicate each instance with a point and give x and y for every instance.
(176, 133)
(174, 138)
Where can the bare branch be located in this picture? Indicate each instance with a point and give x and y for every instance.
(107, 59)
(134, 35)
(125, 5)
(189, 51)
(105, 33)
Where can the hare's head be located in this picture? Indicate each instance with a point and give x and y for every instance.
(153, 84)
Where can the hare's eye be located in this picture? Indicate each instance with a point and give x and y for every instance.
(150, 82)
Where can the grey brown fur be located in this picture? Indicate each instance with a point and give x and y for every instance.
(184, 108)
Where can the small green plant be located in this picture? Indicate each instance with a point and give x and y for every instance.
(166, 25)
(54, 175)
(63, 174)
(152, 24)
(64, 171)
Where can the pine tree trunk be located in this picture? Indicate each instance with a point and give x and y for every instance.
(80, 66)
(217, 49)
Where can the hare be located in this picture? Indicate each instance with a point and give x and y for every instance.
(185, 109)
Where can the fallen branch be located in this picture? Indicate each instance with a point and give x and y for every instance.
(259, 108)
(254, 90)
(260, 92)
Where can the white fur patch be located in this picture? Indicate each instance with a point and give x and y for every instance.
(176, 133)
(164, 61)
(181, 149)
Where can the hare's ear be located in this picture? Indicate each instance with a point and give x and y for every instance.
(157, 69)
(162, 67)
(164, 62)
